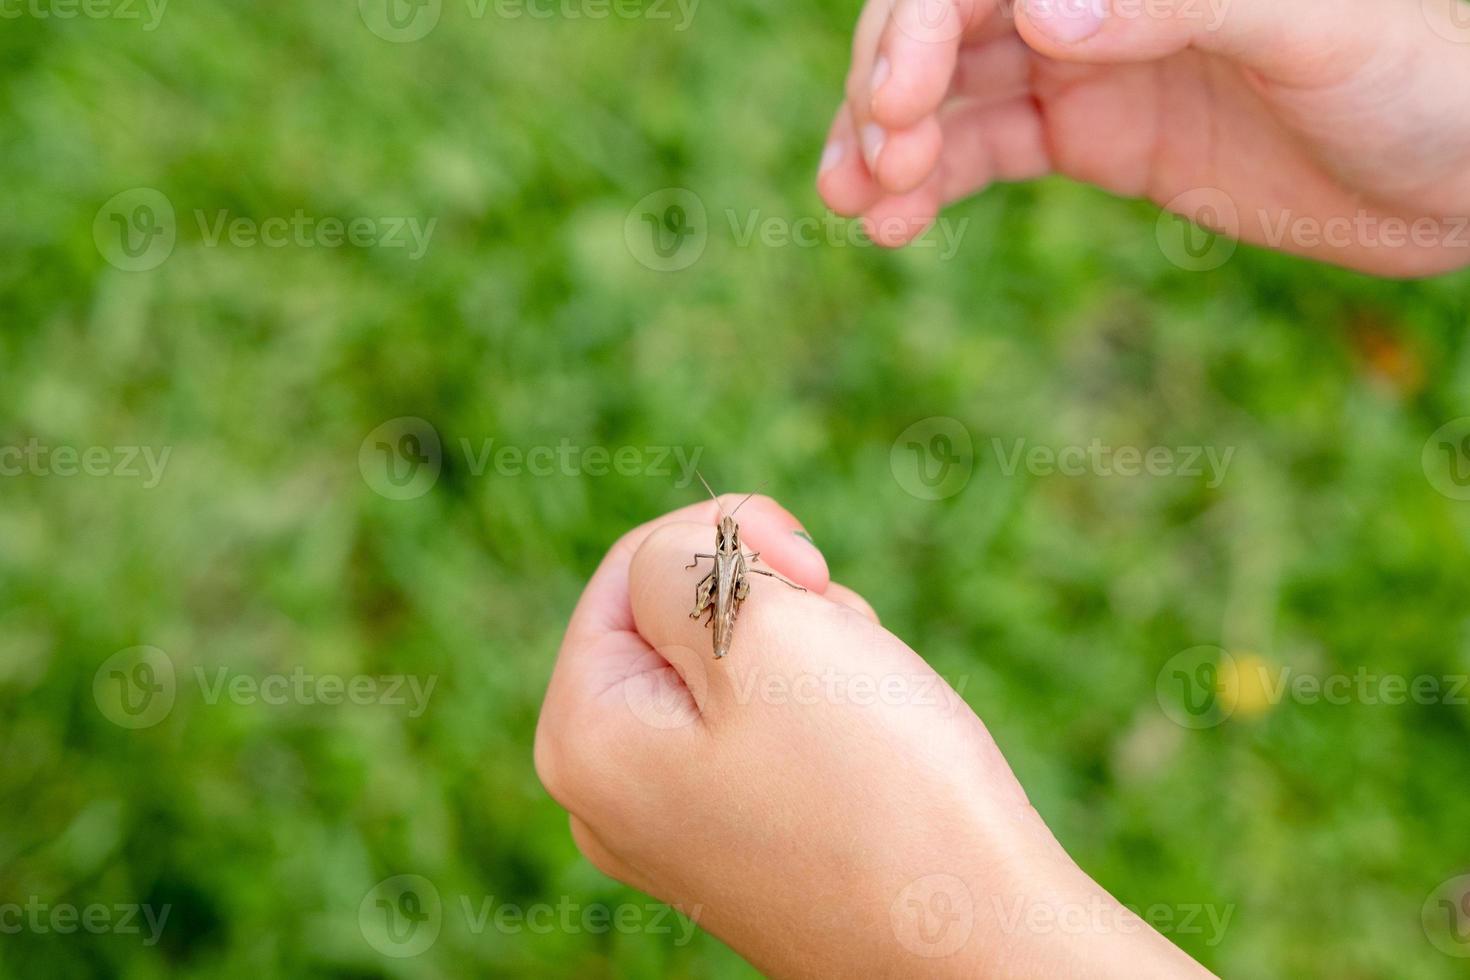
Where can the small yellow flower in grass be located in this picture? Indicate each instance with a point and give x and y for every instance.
(1247, 680)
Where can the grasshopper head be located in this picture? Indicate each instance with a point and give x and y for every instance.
(727, 539)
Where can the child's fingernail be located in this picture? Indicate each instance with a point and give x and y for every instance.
(1067, 21)
(873, 138)
(881, 71)
(805, 537)
(832, 155)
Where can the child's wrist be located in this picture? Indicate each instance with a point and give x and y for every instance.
(1033, 914)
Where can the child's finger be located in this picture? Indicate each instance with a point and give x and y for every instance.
(909, 156)
(843, 180)
(898, 219)
(986, 143)
(995, 71)
(858, 89)
(916, 57)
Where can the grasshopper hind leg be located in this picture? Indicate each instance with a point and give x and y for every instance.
(779, 578)
(704, 596)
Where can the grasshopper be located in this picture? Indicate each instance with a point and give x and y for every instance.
(727, 585)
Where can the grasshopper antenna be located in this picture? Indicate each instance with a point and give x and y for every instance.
(748, 496)
(711, 492)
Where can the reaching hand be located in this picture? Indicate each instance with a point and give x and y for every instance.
(1334, 130)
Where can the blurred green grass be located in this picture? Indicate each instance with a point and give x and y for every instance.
(1053, 600)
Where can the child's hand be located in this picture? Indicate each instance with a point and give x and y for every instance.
(820, 799)
(1329, 129)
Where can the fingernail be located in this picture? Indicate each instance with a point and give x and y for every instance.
(832, 155)
(873, 138)
(1067, 21)
(881, 70)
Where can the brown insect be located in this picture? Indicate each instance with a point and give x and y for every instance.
(727, 585)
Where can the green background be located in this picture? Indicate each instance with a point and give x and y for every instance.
(1054, 600)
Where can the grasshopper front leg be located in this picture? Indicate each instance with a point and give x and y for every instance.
(696, 560)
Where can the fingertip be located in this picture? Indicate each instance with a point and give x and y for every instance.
(783, 543)
(910, 156)
(842, 595)
(915, 88)
(843, 181)
(897, 220)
